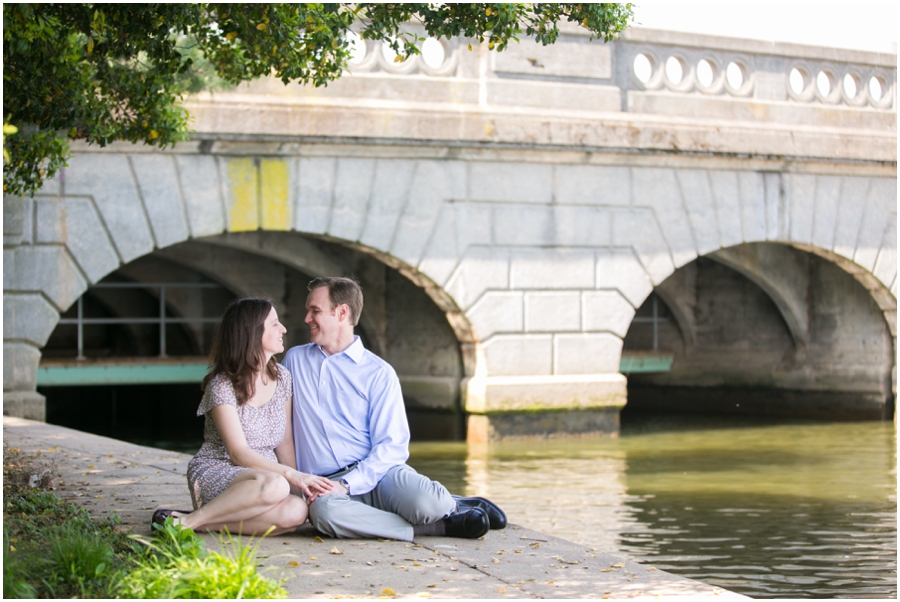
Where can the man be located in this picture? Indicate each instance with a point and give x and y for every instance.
(350, 426)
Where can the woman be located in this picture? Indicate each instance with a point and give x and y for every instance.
(244, 474)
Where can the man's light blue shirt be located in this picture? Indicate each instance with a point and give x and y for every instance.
(347, 408)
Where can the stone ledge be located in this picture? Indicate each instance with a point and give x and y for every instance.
(541, 394)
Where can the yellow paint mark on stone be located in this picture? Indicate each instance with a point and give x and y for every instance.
(243, 179)
(275, 195)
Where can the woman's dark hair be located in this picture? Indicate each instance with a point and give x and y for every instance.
(237, 347)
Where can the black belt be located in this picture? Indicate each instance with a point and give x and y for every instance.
(346, 468)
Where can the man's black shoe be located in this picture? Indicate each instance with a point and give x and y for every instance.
(469, 524)
(496, 516)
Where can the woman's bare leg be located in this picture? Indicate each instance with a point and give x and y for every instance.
(252, 494)
(285, 518)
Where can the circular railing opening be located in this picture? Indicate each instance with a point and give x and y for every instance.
(876, 89)
(705, 73)
(734, 74)
(433, 53)
(357, 48)
(643, 68)
(850, 87)
(387, 52)
(797, 81)
(674, 70)
(823, 83)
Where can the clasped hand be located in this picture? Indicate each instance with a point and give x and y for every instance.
(312, 486)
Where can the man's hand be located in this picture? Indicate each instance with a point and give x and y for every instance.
(339, 488)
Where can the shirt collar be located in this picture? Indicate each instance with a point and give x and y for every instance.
(354, 351)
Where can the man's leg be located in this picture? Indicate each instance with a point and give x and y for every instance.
(401, 499)
(339, 515)
(416, 498)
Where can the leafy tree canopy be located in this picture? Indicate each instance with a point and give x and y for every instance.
(106, 72)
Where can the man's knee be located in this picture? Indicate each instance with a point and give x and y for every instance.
(325, 512)
(417, 498)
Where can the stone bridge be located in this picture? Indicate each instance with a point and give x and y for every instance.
(522, 223)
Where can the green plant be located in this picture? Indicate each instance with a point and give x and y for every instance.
(81, 560)
(14, 583)
(177, 565)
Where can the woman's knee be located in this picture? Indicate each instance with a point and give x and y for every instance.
(293, 513)
(273, 488)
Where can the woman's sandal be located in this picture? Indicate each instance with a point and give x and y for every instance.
(160, 516)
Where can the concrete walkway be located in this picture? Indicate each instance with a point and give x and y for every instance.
(105, 475)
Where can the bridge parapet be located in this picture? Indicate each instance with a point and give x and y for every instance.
(650, 91)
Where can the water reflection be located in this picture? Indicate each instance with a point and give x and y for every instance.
(796, 510)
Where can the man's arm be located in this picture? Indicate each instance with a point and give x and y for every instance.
(388, 431)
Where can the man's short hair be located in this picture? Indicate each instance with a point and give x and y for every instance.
(342, 290)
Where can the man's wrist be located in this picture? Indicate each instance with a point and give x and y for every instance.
(346, 484)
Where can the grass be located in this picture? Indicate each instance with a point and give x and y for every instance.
(52, 549)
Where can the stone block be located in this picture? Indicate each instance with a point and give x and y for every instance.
(242, 185)
(886, 264)
(20, 362)
(315, 191)
(801, 198)
(475, 224)
(581, 226)
(619, 269)
(639, 230)
(433, 183)
(728, 207)
(777, 218)
(203, 194)
(523, 225)
(658, 188)
(828, 193)
(157, 180)
(701, 211)
(497, 395)
(553, 311)
(25, 404)
(753, 205)
(441, 255)
(46, 269)
(28, 317)
(352, 188)
(50, 220)
(510, 182)
(497, 311)
(390, 193)
(519, 355)
(854, 191)
(17, 220)
(575, 97)
(578, 59)
(51, 186)
(481, 269)
(108, 179)
(593, 185)
(586, 353)
(552, 268)
(881, 206)
(74, 221)
(606, 311)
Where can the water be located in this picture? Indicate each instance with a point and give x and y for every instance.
(766, 510)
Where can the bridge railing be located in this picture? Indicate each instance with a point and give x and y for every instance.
(655, 61)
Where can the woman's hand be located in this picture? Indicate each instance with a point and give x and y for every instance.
(311, 485)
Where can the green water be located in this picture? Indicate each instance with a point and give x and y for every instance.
(766, 510)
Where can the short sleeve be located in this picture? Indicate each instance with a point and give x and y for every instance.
(285, 382)
(218, 392)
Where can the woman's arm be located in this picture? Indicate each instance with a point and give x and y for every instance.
(285, 450)
(230, 430)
